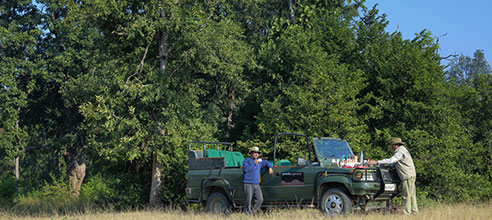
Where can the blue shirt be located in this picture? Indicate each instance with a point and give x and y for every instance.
(251, 171)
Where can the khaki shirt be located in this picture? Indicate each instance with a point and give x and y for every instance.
(404, 163)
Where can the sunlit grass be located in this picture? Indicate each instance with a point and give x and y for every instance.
(459, 211)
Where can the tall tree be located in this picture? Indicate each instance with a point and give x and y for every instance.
(170, 70)
(302, 85)
(67, 51)
(460, 69)
(465, 70)
(471, 97)
(19, 38)
(408, 96)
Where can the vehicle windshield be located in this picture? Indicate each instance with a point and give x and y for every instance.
(330, 148)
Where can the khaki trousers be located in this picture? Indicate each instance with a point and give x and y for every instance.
(409, 196)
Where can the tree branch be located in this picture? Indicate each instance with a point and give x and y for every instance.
(35, 147)
(118, 33)
(447, 57)
(140, 66)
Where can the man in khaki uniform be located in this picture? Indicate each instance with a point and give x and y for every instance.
(406, 172)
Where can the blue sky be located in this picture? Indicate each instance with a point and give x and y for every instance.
(467, 24)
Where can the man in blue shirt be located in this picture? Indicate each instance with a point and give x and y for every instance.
(251, 180)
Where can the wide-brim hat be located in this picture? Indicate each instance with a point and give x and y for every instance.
(255, 149)
(397, 141)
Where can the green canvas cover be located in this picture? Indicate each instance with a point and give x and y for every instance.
(212, 153)
(228, 158)
(284, 162)
(238, 159)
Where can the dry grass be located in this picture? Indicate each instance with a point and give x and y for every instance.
(461, 211)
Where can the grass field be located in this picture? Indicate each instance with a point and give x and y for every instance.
(460, 211)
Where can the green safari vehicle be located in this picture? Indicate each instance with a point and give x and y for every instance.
(215, 179)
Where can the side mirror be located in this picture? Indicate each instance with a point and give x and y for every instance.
(301, 162)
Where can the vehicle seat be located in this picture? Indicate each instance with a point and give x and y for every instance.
(195, 154)
(196, 161)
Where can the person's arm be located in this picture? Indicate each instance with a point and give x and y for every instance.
(395, 158)
(267, 164)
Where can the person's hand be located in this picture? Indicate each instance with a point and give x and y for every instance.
(256, 161)
(372, 162)
(270, 171)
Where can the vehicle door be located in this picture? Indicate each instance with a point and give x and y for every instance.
(293, 184)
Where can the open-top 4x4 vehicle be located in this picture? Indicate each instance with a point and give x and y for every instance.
(215, 179)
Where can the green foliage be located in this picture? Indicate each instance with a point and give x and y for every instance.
(120, 192)
(51, 198)
(98, 191)
(175, 179)
(466, 70)
(304, 86)
(18, 40)
(7, 189)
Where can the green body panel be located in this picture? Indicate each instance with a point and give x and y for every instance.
(364, 188)
(233, 178)
(336, 178)
(290, 184)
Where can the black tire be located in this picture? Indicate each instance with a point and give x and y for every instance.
(335, 202)
(218, 203)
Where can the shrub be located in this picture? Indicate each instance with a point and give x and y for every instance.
(98, 192)
(119, 193)
(7, 189)
(131, 194)
(51, 198)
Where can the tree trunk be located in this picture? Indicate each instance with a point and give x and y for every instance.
(230, 124)
(75, 160)
(155, 188)
(16, 169)
(163, 57)
(292, 13)
(16, 158)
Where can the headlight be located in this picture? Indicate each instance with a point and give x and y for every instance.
(364, 175)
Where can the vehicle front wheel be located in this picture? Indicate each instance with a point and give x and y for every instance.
(218, 203)
(335, 202)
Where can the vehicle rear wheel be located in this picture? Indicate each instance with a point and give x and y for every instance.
(218, 203)
(335, 202)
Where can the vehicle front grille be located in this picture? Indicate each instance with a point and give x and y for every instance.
(388, 176)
